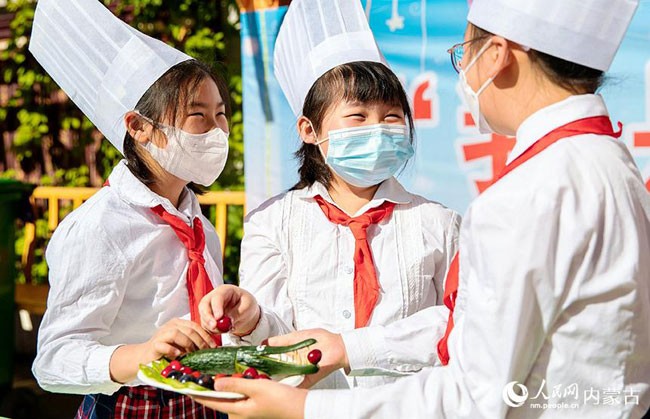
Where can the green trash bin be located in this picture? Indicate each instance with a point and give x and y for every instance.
(14, 204)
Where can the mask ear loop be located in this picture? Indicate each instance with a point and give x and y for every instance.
(156, 127)
(318, 142)
(471, 63)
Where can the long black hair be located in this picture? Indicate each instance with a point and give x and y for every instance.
(168, 99)
(360, 81)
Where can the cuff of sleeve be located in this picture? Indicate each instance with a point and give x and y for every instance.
(262, 331)
(329, 404)
(365, 350)
(98, 369)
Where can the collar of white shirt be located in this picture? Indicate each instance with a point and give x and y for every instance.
(133, 191)
(389, 190)
(558, 114)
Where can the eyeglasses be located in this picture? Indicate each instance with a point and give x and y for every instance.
(456, 52)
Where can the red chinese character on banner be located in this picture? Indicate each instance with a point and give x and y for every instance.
(637, 135)
(497, 148)
(426, 103)
(641, 139)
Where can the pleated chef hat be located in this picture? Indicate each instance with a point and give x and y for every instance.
(102, 63)
(586, 32)
(316, 36)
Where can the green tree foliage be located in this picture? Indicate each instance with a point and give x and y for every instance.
(53, 143)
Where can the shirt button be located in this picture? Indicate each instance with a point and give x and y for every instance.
(349, 270)
(346, 314)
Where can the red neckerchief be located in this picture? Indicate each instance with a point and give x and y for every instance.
(198, 280)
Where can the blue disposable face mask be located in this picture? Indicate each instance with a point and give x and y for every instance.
(367, 155)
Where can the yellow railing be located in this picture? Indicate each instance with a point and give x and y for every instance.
(54, 195)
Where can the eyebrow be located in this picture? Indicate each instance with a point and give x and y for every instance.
(204, 105)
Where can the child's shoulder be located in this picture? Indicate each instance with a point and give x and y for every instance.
(88, 230)
(272, 207)
(90, 214)
(103, 214)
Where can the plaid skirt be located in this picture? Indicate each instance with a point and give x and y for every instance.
(143, 402)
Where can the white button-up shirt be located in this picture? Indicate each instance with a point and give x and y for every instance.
(117, 273)
(300, 267)
(554, 292)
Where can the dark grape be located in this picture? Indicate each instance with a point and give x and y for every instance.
(206, 381)
(175, 375)
(188, 378)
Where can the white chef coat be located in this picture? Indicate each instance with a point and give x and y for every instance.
(554, 290)
(117, 273)
(299, 265)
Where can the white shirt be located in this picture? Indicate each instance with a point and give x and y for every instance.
(554, 290)
(299, 265)
(117, 273)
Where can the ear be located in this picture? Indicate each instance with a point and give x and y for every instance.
(137, 127)
(306, 130)
(500, 55)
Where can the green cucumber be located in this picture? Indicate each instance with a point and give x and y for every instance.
(233, 359)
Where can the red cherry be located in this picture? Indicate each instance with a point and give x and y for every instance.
(250, 373)
(196, 374)
(186, 370)
(314, 356)
(263, 377)
(175, 365)
(224, 324)
(166, 371)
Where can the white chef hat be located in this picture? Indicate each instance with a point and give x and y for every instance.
(316, 36)
(586, 32)
(103, 64)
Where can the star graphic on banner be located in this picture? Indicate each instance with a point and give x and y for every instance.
(395, 22)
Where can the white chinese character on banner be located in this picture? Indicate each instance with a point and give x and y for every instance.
(632, 397)
(571, 390)
(611, 397)
(592, 394)
(541, 391)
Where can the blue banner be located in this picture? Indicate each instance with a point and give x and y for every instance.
(453, 162)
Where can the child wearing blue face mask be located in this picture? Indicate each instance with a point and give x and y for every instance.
(347, 250)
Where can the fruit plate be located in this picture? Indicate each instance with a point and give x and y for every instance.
(150, 375)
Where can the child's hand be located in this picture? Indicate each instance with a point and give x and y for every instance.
(175, 338)
(331, 346)
(231, 301)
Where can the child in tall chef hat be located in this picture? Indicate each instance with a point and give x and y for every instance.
(128, 268)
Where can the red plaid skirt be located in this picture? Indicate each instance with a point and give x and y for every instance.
(143, 402)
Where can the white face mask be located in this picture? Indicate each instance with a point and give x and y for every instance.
(198, 158)
(471, 97)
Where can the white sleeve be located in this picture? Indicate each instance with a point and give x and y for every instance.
(87, 283)
(263, 273)
(506, 267)
(410, 344)
(400, 348)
